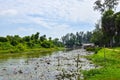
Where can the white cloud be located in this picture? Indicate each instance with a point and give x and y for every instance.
(23, 29)
(56, 16)
(41, 22)
(72, 10)
(49, 24)
(8, 12)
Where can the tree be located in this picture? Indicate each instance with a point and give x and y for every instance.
(107, 7)
(71, 40)
(79, 38)
(36, 36)
(42, 38)
(108, 26)
(104, 5)
(50, 38)
(3, 39)
(46, 44)
(117, 27)
(32, 37)
(26, 38)
(97, 36)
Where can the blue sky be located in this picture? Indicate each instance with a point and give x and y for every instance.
(54, 18)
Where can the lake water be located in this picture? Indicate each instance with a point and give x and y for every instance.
(60, 65)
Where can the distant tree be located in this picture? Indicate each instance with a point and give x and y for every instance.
(46, 44)
(97, 36)
(104, 5)
(108, 26)
(107, 7)
(117, 27)
(3, 39)
(36, 36)
(26, 39)
(71, 40)
(5, 46)
(42, 38)
(16, 43)
(32, 37)
(50, 38)
(14, 40)
(79, 38)
(17, 38)
(9, 38)
(57, 43)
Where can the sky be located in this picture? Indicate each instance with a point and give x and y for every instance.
(54, 18)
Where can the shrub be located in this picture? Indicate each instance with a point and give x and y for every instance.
(5, 46)
(46, 44)
(91, 72)
(21, 47)
(94, 49)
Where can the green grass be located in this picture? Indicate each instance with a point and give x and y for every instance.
(28, 53)
(110, 65)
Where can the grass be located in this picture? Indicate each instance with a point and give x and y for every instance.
(28, 53)
(110, 65)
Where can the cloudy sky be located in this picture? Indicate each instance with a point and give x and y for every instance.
(54, 18)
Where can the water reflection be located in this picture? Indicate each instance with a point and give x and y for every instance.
(52, 66)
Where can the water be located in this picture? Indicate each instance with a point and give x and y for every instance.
(57, 66)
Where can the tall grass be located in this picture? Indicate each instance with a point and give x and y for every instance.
(109, 60)
(28, 53)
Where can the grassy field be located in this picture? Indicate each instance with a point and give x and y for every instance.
(29, 53)
(109, 61)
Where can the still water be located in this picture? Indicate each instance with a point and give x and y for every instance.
(60, 65)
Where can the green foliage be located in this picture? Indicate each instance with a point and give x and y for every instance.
(110, 67)
(3, 39)
(5, 46)
(30, 44)
(108, 33)
(14, 42)
(26, 38)
(91, 72)
(104, 5)
(94, 49)
(57, 43)
(71, 40)
(21, 47)
(17, 44)
(108, 27)
(37, 36)
(97, 36)
(42, 38)
(46, 44)
(110, 23)
(87, 37)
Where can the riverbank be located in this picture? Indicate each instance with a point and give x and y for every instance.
(109, 61)
(59, 65)
(37, 52)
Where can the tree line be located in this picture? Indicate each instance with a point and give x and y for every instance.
(16, 43)
(107, 32)
(72, 40)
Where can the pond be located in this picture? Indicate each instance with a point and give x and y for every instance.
(60, 65)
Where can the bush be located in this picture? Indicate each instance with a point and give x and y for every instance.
(21, 47)
(14, 50)
(46, 44)
(91, 72)
(5, 46)
(30, 44)
(93, 49)
(3, 39)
